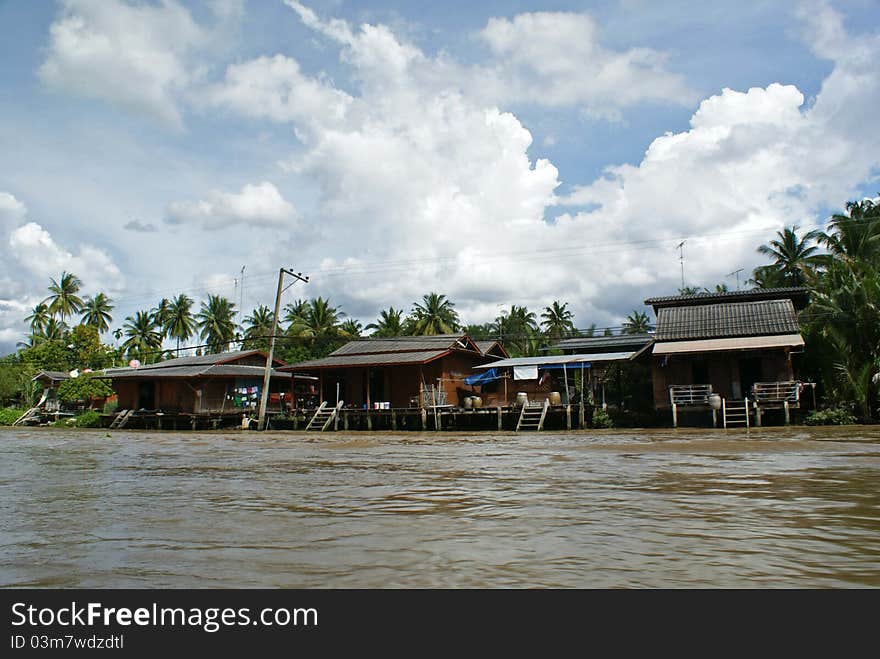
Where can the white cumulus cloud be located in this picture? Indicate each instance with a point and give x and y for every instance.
(136, 56)
(259, 205)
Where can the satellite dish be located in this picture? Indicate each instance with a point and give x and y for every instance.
(134, 363)
(87, 370)
(74, 373)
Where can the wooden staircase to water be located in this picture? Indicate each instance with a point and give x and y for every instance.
(531, 418)
(324, 416)
(121, 419)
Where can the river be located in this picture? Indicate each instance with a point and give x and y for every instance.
(689, 508)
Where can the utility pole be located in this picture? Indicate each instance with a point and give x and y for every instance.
(264, 394)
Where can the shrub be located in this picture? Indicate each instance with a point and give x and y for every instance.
(83, 388)
(88, 419)
(836, 416)
(9, 415)
(601, 419)
(111, 407)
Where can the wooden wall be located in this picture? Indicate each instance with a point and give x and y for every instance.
(723, 369)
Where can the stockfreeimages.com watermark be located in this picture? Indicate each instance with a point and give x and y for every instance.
(209, 619)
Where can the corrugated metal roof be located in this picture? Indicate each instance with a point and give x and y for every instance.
(732, 319)
(599, 343)
(373, 359)
(737, 343)
(194, 371)
(403, 344)
(202, 360)
(560, 359)
(52, 375)
(734, 296)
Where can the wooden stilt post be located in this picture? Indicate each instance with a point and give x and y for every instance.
(393, 420)
(499, 417)
(757, 415)
(674, 415)
(568, 417)
(724, 411)
(787, 413)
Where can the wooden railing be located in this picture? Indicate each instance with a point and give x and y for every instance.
(769, 392)
(690, 394)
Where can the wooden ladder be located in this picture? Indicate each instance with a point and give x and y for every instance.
(736, 413)
(26, 416)
(323, 417)
(532, 417)
(121, 419)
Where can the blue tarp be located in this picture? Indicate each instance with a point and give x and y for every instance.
(482, 378)
(573, 366)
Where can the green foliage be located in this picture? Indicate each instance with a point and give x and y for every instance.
(88, 419)
(83, 388)
(110, 407)
(601, 419)
(10, 415)
(836, 416)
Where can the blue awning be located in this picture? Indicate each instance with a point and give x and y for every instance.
(571, 367)
(482, 378)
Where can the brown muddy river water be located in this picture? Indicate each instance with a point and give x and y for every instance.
(782, 508)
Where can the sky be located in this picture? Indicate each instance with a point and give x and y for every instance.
(497, 152)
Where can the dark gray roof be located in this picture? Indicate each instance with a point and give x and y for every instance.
(206, 360)
(404, 344)
(798, 294)
(194, 371)
(594, 344)
(733, 319)
(52, 375)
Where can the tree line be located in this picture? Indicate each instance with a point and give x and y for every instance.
(840, 267)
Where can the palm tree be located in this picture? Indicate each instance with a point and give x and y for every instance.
(351, 329)
(52, 330)
(318, 320)
(64, 300)
(518, 329)
(295, 312)
(637, 322)
(434, 315)
(179, 321)
(719, 288)
(96, 312)
(855, 235)
(689, 290)
(216, 324)
(38, 318)
(161, 314)
(258, 328)
(389, 323)
(793, 257)
(143, 337)
(557, 321)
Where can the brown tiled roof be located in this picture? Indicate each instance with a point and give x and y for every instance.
(733, 319)
(404, 344)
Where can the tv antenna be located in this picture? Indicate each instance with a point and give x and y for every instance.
(680, 248)
(736, 274)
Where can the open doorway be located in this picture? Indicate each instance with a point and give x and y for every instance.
(749, 373)
(147, 396)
